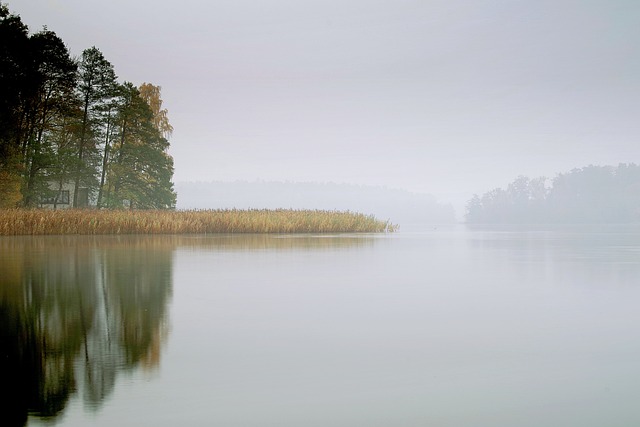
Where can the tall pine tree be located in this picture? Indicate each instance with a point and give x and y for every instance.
(140, 169)
(54, 82)
(96, 86)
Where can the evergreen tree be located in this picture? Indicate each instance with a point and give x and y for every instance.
(14, 88)
(64, 142)
(140, 170)
(55, 81)
(96, 85)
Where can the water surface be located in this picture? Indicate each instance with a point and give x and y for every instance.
(441, 327)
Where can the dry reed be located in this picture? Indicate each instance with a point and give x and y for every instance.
(83, 221)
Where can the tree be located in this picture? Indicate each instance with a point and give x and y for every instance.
(151, 95)
(37, 77)
(64, 142)
(140, 170)
(14, 88)
(96, 86)
(109, 112)
(54, 82)
(474, 212)
(592, 194)
(10, 194)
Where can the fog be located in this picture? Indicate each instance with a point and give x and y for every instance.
(436, 97)
(398, 206)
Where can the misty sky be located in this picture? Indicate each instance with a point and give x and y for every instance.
(438, 96)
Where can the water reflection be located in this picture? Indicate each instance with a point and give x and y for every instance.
(600, 254)
(76, 311)
(278, 242)
(522, 327)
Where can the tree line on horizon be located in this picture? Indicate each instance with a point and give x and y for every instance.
(592, 194)
(67, 122)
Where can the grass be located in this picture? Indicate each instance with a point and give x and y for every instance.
(83, 221)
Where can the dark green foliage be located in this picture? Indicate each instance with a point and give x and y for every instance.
(15, 88)
(54, 80)
(593, 194)
(140, 170)
(96, 86)
(14, 84)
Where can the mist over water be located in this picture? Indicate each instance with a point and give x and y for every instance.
(438, 97)
(495, 326)
(397, 206)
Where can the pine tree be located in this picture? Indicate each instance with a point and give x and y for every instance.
(140, 170)
(96, 84)
(54, 79)
(14, 88)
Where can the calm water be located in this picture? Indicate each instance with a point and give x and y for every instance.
(446, 327)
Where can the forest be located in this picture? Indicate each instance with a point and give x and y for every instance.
(71, 134)
(592, 194)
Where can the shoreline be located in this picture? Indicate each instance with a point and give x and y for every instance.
(14, 222)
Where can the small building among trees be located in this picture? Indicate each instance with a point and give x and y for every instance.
(61, 197)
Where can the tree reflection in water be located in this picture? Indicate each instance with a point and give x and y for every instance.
(75, 311)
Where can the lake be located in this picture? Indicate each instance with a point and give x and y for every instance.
(446, 326)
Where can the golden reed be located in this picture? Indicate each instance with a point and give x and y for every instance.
(86, 221)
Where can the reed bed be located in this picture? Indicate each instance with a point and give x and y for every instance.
(83, 221)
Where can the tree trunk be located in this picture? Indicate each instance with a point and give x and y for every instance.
(105, 159)
(83, 134)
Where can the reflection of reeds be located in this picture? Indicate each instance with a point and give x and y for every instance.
(72, 221)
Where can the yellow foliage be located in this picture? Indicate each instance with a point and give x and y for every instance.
(10, 194)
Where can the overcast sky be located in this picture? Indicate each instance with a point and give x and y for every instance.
(438, 96)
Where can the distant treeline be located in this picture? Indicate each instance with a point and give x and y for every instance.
(70, 133)
(592, 194)
(401, 207)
